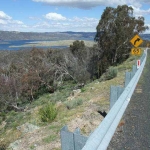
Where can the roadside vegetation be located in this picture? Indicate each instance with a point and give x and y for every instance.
(48, 88)
(42, 112)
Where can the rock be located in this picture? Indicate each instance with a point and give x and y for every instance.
(27, 127)
(70, 98)
(79, 86)
(59, 104)
(76, 92)
(14, 145)
(3, 125)
(97, 82)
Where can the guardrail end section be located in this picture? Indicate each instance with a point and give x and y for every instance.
(67, 139)
(72, 140)
(79, 140)
(77, 131)
(65, 128)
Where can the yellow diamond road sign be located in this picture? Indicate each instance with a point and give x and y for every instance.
(136, 51)
(136, 40)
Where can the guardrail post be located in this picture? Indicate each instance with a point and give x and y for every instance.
(127, 78)
(79, 140)
(120, 90)
(67, 139)
(134, 69)
(113, 95)
(72, 141)
(115, 92)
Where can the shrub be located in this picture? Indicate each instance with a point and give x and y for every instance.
(3, 145)
(2, 116)
(111, 73)
(83, 90)
(48, 113)
(74, 103)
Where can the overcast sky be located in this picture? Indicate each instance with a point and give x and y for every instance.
(61, 15)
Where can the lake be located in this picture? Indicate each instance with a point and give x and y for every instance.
(15, 45)
(23, 44)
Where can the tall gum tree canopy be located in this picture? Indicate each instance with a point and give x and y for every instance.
(114, 31)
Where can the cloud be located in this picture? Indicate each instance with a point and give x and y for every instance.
(83, 4)
(144, 1)
(34, 18)
(69, 24)
(140, 12)
(54, 16)
(4, 16)
(5, 19)
(8, 23)
(51, 22)
(17, 22)
(88, 4)
(84, 19)
(87, 23)
(3, 22)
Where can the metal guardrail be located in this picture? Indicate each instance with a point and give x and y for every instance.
(101, 137)
(72, 140)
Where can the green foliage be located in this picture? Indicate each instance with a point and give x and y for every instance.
(42, 90)
(2, 116)
(49, 138)
(56, 128)
(80, 52)
(114, 31)
(60, 96)
(48, 113)
(111, 73)
(131, 58)
(74, 103)
(3, 145)
(63, 92)
(32, 147)
(77, 46)
(14, 119)
(83, 90)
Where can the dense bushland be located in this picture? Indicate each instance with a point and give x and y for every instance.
(26, 74)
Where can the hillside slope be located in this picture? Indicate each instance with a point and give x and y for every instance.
(25, 131)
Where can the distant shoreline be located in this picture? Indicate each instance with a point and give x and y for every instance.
(66, 43)
(3, 42)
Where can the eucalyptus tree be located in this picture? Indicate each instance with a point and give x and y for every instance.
(114, 31)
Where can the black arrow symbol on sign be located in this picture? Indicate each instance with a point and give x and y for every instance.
(138, 39)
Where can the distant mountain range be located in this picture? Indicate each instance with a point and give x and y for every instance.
(13, 35)
(52, 36)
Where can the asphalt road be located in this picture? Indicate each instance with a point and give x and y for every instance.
(134, 134)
